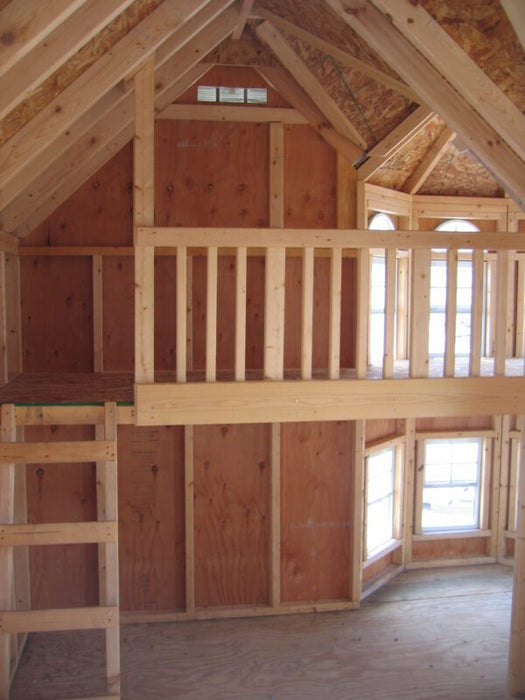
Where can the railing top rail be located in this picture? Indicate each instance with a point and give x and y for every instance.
(325, 238)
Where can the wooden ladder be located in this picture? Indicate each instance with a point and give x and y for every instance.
(16, 624)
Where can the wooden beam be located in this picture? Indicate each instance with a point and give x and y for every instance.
(267, 402)
(291, 61)
(456, 66)
(429, 162)
(397, 139)
(246, 8)
(24, 23)
(50, 53)
(59, 620)
(128, 54)
(343, 57)
(173, 236)
(232, 113)
(57, 533)
(516, 13)
(436, 91)
(57, 452)
(516, 674)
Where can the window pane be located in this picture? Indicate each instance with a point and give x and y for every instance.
(256, 96)
(379, 524)
(450, 507)
(380, 499)
(231, 94)
(206, 93)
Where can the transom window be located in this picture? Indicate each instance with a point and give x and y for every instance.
(452, 484)
(232, 95)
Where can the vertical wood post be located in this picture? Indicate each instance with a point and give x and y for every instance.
(408, 490)
(390, 312)
(98, 326)
(357, 515)
(211, 314)
(240, 313)
(500, 341)
(420, 308)
(516, 676)
(476, 324)
(189, 517)
(275, 516)
(307, 313)
(450, 313)
(181, 316)
(144, 215)
(7, 498)
(334, 337)
(500, 478)
(363, 289)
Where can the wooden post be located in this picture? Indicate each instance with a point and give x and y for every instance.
(408, 490)
(500, 343)
(144, 214)
(500, 478)
(363, 288)
(98, 327)
(307, 313)
(7, 498)
(390, 312)
(516, 677)
(211, 314)
(181, 327)
(450, 313)
(358, 484)
(420, 306)
(476, 314)
(275, 516)
(189, 518)
(334, 338)
(240, 314)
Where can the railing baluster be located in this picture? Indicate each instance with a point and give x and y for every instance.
(476, 323)
(240, 314)
(420, 319)
(520, 309)
(211, 314)
(450, 313)
(334, 342)
(363, 311)
(275, 273)
(307, 311)
(390, 311)
(181, 329)
(500, 341)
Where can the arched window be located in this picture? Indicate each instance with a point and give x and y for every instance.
(457, 225)
(381, 222)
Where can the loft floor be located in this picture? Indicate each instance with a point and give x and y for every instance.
(430, 634)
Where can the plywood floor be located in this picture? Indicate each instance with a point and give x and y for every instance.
(433, 634)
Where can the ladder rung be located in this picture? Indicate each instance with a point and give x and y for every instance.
(55, 452)
(58, 533)
(58, 620)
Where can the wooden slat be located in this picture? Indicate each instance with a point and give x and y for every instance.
(49, 54)
(57, 533)
(267, 33)
(240, 313)
(502, 266)
(456, 66)
(502, 462)
(343, 57)
(199, 403)
(181, 314)
(211, 314)
(126, 56)
(307, 313)
(172, 236)
(25, 23)
(420, 313)
(276, 175)
(450, 314)
(57, 452)
(189, 518)
(436, 90)
(402, 308)
(390, 312)
(363, 312)
(275, 516)
(60, 619)
(232, 113)
(516, 677)
(334, 320)
(397, 139)
(476, 324)
(98, 318)
(429, 162)
(357, 514)
(285, 85)
(7, 495)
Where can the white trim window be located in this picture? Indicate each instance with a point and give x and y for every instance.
(382, 499)
(452, 484)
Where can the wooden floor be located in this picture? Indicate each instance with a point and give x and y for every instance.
(432, 634)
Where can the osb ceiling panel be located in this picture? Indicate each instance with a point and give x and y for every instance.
(483, 31)
(247, 51)
(76, 65)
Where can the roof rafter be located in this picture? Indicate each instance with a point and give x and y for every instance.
(289, 88)
(19, 152)
(515, 10)
(440, 49)
(429, 162)
(244, 13)
(26, 22)
(437, 92)
(344, 58)
(302, 74)
(395, 141)
(50, 53)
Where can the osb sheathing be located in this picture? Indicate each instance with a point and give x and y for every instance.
(484, 32)
(247, 51)
(75, 66)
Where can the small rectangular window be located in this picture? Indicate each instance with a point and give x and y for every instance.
(207, 93)
(256, 96)
(231, 95)
(380, 496)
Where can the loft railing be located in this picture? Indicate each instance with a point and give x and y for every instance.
(495, 307)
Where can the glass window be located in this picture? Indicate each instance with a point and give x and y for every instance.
(380, 475)
(378, 222)
(452, 484)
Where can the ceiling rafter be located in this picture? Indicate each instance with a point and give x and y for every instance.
(244, 13)
(415, 181)
(26, 22)
(343, 57)
(281, 81)
(18, 153)
(55, 49)
(271, 36)
(395, 141)
(495, 154)
(446, 56)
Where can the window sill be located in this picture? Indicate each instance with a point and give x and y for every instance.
(379, 554)
(451, 535)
